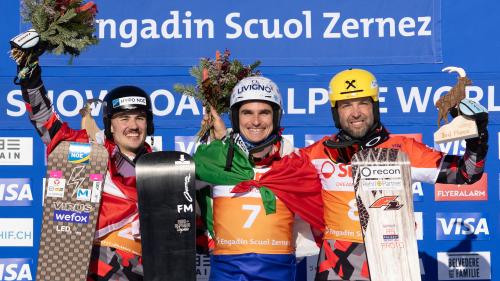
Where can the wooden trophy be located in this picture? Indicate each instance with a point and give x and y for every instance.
(460, 127)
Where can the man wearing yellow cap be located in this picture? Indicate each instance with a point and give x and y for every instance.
(355, 109)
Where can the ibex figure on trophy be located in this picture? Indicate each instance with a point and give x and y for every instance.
(454, 96)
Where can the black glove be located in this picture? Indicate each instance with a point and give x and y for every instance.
(473, 110)
(26, 48)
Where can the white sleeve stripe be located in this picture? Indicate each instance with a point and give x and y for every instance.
(428, 175)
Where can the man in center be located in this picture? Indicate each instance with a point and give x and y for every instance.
(252, 216)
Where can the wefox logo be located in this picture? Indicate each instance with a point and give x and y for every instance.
(459, 226)
(15, 269)
(72, 217)
(15, 192)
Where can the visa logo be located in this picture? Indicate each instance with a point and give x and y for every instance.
(459, 226)
(15, 269)
(418, 192)
(185, 144)
(71, 217)
(454, 147)
(79, 153)
(15, 192)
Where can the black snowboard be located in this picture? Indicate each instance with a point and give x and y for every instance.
(165, 186)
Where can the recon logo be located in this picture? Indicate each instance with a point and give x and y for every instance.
(380, 172)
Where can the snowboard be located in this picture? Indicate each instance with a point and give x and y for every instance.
(165, 188)
(74, 182)
(382, 183)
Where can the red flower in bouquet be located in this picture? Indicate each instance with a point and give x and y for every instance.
(90, 7)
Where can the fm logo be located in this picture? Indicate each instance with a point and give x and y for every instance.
(389, 202)
(459, 226)
(15, 192)
(185, 208)
(15, 269)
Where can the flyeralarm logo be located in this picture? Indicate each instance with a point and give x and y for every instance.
(477, 191)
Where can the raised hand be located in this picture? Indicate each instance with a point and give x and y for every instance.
(216, 122)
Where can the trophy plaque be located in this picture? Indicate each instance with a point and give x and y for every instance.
(462, 126)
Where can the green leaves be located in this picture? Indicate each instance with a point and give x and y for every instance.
(63, 26)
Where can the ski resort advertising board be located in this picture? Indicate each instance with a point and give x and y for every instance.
(138, 32)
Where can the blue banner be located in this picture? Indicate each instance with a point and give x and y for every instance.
(176, 33)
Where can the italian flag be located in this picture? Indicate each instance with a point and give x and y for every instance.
(292, 179)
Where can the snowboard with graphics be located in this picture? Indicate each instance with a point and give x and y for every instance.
(165, 188)
(382, 182)
(74, 182)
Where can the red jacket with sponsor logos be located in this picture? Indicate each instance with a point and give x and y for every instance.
(118, 216)
(119, 199)
(340, 210)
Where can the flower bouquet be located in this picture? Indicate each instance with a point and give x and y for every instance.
(59, 27)
(215, 80)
